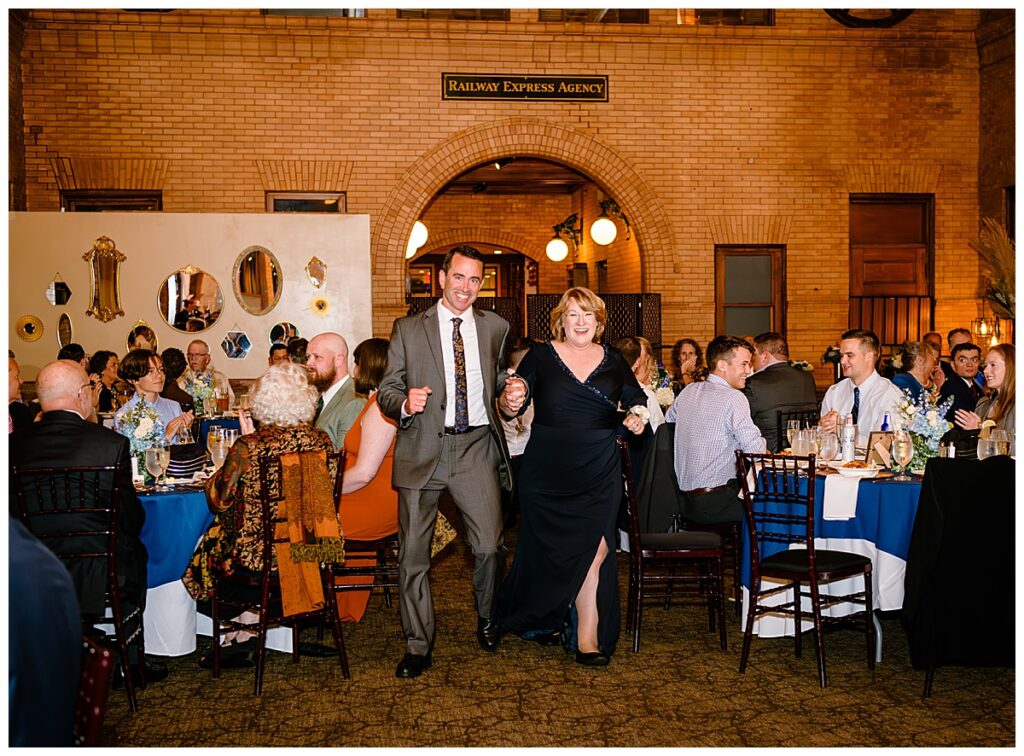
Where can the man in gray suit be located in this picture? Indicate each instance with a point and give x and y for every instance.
(776, 385)
(440, 386)
(338, 408)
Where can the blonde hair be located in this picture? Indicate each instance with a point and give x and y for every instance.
(588, 302)
(648, 349)
(284, 396)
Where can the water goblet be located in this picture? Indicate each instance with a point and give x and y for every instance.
(987, 447)
(153, 464)
(829, 448)
(902, 453)
(792, 426)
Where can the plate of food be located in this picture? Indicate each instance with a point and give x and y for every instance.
(858, 469)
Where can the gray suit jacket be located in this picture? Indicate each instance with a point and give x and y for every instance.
(415, 360)
(780, 386)
(341, 412)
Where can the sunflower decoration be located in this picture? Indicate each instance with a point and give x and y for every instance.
(320, 305)
(999, 267)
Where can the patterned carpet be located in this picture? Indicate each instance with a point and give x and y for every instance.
(680, 690)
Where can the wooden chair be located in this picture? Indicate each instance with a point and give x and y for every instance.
(808, 419)
(75, 511)
(691, 562)
(729, 533)
(93, 687)
(384, 572)
(267, 606)
(777, 513)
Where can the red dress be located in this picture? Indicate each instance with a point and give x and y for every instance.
(365, 515)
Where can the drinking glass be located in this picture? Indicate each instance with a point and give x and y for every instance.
(1001, 439)
(792, 426)
(164, 460)
(230, 435)
(829, 448)
(215, 436)
(153, 463)
(987, 447)
(222, 400)
(185, 435)
(902, 452)
(243, 401)
(218, 453)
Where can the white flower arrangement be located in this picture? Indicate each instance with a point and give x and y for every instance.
(665, 396)
(144, 428)
(638, 410)
(802, 365)
(926, 423)
(141, 425)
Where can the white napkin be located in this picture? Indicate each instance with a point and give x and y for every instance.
(840, 498)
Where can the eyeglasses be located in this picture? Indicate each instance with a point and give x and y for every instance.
(83, 387)
(198, 354)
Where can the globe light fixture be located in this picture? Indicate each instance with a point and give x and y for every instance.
(557, 250)
(566, 231)
(418, 237)
(603, 230)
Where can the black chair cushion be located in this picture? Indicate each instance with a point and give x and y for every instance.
(793, 562)
(682, 540)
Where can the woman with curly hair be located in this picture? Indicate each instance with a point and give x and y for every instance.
(687, 364)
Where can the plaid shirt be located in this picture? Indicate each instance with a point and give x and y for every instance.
(712, 421)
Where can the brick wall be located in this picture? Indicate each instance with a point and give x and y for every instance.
(711, 134)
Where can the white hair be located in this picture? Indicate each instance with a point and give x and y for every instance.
(284, 396)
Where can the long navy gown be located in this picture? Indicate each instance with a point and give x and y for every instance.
(569, 491)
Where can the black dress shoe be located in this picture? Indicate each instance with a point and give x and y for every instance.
(153, 672)
(488, 634)
(412, 665)
(316, 649)
(592, 659)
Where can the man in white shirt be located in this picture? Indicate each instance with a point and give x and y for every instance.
(863, 393)
(338, 407)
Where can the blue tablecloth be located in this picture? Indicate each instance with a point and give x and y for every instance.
(212, 422)
(174, 523)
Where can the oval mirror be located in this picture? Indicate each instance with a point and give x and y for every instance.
(316, 271)
(63, 330)
(257, 280)
(283, 332)
(105, 274)
(29, 328)
(190, 300)
(236, 345)
(142, 337)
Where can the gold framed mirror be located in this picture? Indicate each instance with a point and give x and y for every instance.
(29, 328)
(64, 331)
(142, 337)
(316, 271)
(105, 275)
(190, 300)
(256, 279)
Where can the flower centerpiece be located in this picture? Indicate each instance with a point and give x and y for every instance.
(660, 382)
(802, 365)
(833, 355)
(200, 386)
(143, 427)
(926, 423)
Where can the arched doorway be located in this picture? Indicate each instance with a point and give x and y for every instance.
(515, 136)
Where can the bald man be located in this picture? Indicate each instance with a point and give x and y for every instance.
(64, 438)
(339, 407)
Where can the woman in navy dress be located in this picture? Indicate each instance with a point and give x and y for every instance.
(563, 582)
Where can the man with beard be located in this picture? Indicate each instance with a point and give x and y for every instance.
(339, 407)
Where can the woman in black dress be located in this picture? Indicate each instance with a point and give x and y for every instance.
(563, 581)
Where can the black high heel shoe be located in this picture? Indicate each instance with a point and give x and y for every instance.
(592, 658)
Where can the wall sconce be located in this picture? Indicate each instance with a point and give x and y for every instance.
(557, 249)
(499, 164)
(417, 239)
(603, 230)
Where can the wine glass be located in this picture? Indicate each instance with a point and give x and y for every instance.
(902, 452)
(987, 447)
(792, 427)
(163, 455)
(153, 462)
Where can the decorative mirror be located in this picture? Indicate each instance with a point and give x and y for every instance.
(64, 330)
(283, 332)
(190, 300)
(29, 328)
(142, 337)
(257, 280)
(236, 345)
(316, 271)
(58, 292)
(105, 273)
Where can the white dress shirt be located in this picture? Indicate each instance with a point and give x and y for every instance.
(657, 415)
(878, 396)
(474, 377)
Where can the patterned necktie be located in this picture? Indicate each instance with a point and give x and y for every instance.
(461, 399)
(856, 404)
(319, 408)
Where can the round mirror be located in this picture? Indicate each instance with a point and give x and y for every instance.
(283, 332)
(236, 345)
(29, 328)
(63, 330)
(257, 280)
(142, 337)
(316, 271)
(190, 300)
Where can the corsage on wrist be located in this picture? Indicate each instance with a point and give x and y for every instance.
(638, 410)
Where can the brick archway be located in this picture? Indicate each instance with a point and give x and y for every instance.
(481, 235)
(529, 137)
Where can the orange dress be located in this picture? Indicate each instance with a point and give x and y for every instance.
(365, 515)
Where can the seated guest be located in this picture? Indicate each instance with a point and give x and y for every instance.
(712, 420)
(44, 643)
(278, 353)
(863, 393)
(918, 358)
(960, 336)
(369, 504)
(776, 385)
(327, 360)
(938, 375)
(297, 351)
(283, 403)
(687, 364)
(966, 359)
(640, 363)
(75, 353)
(174, 367)
(63, 438)
(144, 371)
(201, 375)
(999, 406)
(19, 415)
(142, 337)
(103, 375)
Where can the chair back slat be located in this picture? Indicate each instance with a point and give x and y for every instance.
(629, 497)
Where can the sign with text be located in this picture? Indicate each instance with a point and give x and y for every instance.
(523, 87)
